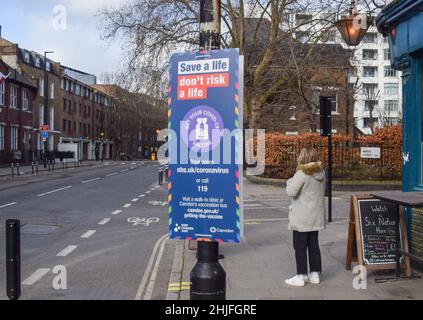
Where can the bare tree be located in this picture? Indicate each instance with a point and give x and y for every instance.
(151, 30)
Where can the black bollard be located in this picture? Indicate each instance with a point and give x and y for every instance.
(13, 170)
(17, 170)
(208, 279)
(32, 168)
(13, 259)
(160, 176)
(36, 166)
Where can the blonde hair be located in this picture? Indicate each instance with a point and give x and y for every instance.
(307, 155)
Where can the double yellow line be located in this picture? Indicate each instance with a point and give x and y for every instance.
(180, 286)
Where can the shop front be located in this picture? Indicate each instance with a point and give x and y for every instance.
(402, 22)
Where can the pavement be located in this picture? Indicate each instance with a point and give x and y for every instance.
(256, 268)
(96, 233)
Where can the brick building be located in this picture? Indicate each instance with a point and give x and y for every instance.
(137, 119)
(17, 95)
(286, 98)
(33, 66)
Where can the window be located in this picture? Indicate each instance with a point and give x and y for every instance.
(67, 85)
(13, 138)
(302, 37)
(302, 19)
(370, 37)
(368, 124)
(2, 94)
(63, 84)
(370, 90)
(37, 62)
(391, 105)
(51, 123)
(78, 90)
(25, 99)
(391, 89)
(41, 87)
(389, 72)
(64, 105)
(48, 65)
(64, 125)
(41, 115)
(391, 121)
(69, 125)
(369, 54)
(387, 54)
(13, 96)
(334, 103)
(1, 137)
(329, 36)
(369, 72)
(26, 57)
(370, 105)
(51, 90)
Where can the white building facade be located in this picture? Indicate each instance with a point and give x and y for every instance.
(375, 85)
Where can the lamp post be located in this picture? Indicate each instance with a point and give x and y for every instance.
(208, 278)
(353, 27)
(46, 99)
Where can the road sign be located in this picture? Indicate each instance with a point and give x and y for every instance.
(205, 128)
(44, 134)
(370, 153)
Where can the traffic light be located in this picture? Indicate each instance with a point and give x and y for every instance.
(325, 116)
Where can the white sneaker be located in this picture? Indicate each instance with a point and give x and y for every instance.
(296, 281)
(314, 277)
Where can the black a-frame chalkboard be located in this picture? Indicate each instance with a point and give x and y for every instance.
(376, 231)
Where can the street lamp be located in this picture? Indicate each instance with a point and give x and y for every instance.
(46, 99)
(353, 27)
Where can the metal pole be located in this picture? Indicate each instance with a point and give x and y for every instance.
(13, 170)
(208, 278)
(17, 170)
(13, 259)
(330, 177)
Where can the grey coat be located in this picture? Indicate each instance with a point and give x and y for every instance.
(307, 188)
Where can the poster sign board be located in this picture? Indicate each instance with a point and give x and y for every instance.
(376, 231)
(370, 153)
(205, 146)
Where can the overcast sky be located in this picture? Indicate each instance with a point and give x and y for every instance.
(33, 25)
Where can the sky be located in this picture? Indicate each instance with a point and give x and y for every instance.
(70, 28)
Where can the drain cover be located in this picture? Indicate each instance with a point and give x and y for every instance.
(39, 229)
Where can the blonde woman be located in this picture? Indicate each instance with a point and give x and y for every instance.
(307, 216)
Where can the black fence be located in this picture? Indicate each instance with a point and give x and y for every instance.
(348, 162)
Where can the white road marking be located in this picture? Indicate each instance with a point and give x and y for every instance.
(57, 190)
(124, 170)
(127, 205)
(104, 221)
(253, 205)
(153, 277)
(37, 275)
(148, 269)
(91, 180)
(88, 234)
(116, 212)
(135, 200)
(8, 205)
(112, 174)
(147, 192)
(66, 251)
(141, 196)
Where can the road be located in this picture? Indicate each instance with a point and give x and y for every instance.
(79, 219)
